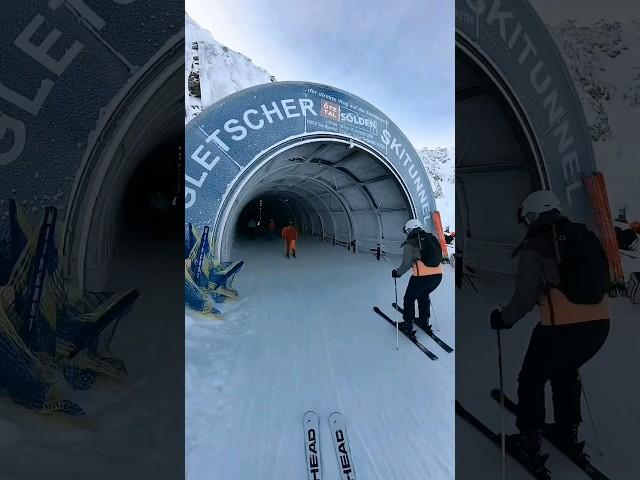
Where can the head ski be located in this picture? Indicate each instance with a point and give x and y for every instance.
(312, 446)
(428, 331)
(424, 349)
(341, 445)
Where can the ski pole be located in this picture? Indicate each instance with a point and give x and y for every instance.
(593, 423)
(395, 285)
(435, 318)
(503, 445)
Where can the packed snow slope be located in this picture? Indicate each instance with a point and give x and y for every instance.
(305, 337)
(603, 61)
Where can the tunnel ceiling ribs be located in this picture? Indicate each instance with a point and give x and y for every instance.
(329, 187)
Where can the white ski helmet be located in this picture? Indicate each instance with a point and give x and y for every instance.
(539, 202)
(411, 225)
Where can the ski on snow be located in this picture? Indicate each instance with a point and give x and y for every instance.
(538, 471)
(585, 466)
(312, 445)
(436, 339)
(341, 445)
(424, 349)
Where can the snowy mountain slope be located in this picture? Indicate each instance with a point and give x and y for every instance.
(440, 165)
(602, 59)
(213, 71)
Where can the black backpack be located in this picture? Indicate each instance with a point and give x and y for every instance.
(582, 262)
(430, 249)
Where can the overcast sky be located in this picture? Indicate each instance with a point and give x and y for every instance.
(397, 55)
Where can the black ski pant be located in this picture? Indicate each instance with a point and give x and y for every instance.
(419, 289)
(555, 354)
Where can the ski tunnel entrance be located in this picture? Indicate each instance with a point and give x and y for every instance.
(519, 127)
(322, 157)
(331, 190)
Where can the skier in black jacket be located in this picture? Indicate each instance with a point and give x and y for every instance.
(569, 333)
(424, 280)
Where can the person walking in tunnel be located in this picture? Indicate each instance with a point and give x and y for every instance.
(253, 228)
(422, 253)
(290, 235)
(563, 268)
(272, 229)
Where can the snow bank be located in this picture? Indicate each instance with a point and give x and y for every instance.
(220, 71)
(440, 165)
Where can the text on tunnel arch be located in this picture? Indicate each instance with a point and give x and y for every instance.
(255, 119)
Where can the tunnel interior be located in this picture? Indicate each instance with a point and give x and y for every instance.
(332, 190)
(150, 202)
(496, 167)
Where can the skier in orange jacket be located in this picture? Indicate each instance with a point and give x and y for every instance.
(290, 235)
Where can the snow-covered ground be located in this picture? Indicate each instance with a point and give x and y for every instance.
(305, 337)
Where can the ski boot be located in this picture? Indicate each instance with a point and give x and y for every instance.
(407, 328)
(424, 326)
(566, 439)
(526, 446)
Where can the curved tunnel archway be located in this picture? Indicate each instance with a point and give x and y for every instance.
(331, 190)
(340, 167)
(519, 127)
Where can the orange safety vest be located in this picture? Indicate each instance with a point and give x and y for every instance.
(561, 311)
(422, 270)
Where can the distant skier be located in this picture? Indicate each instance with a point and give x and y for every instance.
(290, 235)
(562, 268)
(272, 229)
(253, 229)
(422, 253)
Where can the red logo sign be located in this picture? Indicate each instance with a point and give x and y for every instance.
(330, 110)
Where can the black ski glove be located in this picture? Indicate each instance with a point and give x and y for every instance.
(496, 320)
(394, 273)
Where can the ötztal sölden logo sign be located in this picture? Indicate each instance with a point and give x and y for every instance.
(340, 113)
